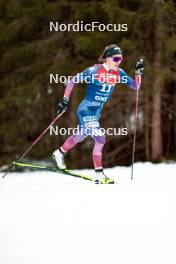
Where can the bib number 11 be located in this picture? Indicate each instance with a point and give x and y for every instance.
(105, 88)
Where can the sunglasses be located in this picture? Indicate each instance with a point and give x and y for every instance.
(117, 59)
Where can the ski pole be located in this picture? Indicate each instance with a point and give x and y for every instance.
(34, 143)
(135, 128)
(138, 71)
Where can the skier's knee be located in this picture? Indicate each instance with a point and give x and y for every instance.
(98, 146)
(100, 139)
(78, 138)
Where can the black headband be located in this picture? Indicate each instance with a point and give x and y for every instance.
(112, 51)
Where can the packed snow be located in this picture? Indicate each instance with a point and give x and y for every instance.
(51, 218)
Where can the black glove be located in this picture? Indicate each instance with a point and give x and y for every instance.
(62, 106)
(139, 67)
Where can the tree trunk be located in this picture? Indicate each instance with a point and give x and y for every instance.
(174, 132)
(157, 148)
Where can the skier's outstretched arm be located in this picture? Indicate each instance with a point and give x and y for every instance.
(80, 77)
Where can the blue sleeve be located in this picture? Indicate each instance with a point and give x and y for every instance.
(124, 78)
(85, 75)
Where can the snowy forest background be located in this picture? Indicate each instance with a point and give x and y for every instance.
(29, 52)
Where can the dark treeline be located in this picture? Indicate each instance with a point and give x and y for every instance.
(29, 52)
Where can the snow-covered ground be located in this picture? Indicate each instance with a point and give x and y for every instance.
(50, 218)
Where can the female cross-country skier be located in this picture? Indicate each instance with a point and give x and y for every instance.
(101, 80)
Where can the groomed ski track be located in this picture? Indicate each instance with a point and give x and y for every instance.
(51, 218)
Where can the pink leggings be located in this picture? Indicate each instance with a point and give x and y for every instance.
(71, 141)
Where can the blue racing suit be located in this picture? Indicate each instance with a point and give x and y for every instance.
(100, 85)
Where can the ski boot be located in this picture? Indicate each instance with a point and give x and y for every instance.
(58, 157)
(101, 178)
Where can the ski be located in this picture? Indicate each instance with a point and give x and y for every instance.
(53, 169)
